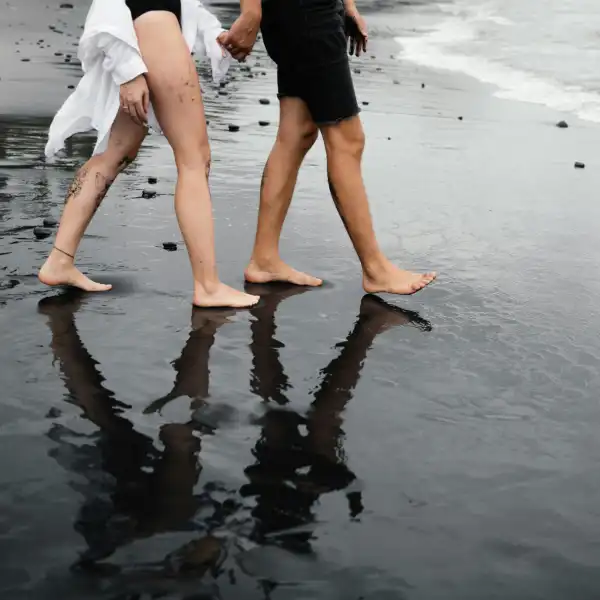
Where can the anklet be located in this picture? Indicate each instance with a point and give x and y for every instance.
(63, 252)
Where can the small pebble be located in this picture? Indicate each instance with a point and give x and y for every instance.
(265, 101)
(147, 194)
(223, 93)
(357, 71)
(66, 5)
(562, 125)
(365, 103)
(389, 138)
(25, 60)
(396, 82)
(234, 128)
(579, 165)
(53, 413)
(71, 87)
(41, 233)
(50, 222)
(379, 69)
(152, 180)
(170, 246)
(460, 118)
(422, 86)
(264, 72)
(264, 123)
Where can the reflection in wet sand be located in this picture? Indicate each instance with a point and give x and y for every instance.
(132, 490)
(294, 468)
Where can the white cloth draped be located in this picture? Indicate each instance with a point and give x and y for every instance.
(110, 56)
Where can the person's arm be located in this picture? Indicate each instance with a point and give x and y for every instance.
(251, 7)
(240, 39)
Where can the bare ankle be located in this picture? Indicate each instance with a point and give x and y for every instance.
(262, 259)
(374, 266)
(208, 286)
(61, 258)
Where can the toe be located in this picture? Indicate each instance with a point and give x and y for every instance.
(299, 278)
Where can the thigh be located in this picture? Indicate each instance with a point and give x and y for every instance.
(125, 140)
(173, 82)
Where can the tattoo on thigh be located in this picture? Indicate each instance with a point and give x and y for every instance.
(77, 184)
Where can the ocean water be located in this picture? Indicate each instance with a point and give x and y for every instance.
(541, 51)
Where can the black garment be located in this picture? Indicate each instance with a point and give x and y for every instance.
(307, 40)
(139, 7)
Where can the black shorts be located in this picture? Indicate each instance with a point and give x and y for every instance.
(139, 7)
(307, 40)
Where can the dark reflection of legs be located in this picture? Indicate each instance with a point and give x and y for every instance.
(268, 379)
(148, 491)
(191, 367)
(342, 374)
(117, 448)
(284, 495)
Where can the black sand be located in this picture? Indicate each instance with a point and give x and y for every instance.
(322, 445)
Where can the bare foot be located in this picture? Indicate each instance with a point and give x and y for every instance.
(392, 280)
(57, 272)
(278, 271)
(223, 296)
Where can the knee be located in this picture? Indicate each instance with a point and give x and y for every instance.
(195, 158)
(302, 138)
(347, 137)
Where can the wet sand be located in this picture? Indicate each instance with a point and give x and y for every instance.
(322, 445)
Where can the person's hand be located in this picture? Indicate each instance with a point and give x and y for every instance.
(356, 30)
(135, 100)
(240, 39)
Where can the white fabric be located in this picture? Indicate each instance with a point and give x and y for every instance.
(110, 56)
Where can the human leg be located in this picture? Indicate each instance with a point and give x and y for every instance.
(344, 144)
(177, 101)
(85, 195)
(296, 135)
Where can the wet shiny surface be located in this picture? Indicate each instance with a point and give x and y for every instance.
(322, 445)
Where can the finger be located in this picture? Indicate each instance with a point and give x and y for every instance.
(146, 104)
(223, 38)
(239, 55)
(358, 43)
(139, 111)
(133, 114)
(352, 46)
